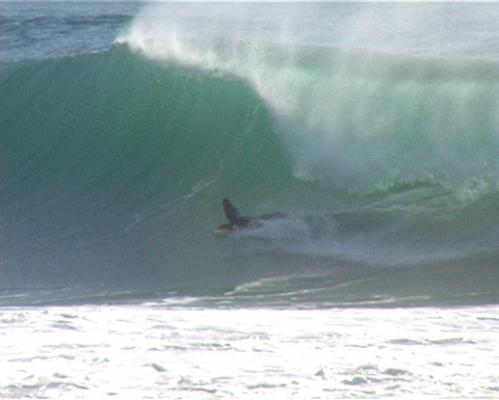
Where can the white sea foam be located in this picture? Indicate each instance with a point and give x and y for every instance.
(153, 351)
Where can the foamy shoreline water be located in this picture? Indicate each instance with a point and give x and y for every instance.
(151, 351)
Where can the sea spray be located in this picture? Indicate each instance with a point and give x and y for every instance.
(352, 118)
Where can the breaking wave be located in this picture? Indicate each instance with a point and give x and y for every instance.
(114, 165)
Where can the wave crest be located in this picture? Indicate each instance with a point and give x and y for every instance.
(351, 117)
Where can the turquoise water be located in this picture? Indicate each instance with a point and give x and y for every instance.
(374, 127)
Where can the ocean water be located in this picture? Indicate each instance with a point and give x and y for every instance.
(373, 126)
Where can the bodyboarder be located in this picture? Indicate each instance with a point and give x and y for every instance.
(233, 216)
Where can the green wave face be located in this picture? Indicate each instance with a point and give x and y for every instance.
(114, 167)
(96, 145)
(113, 122)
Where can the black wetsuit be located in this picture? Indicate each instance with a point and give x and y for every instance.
(233, 216)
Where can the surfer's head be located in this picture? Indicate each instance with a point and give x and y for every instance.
(226, 202)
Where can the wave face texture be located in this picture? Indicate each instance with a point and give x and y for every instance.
(114, 165)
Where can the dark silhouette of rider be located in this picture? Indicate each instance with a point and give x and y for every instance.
(233, 216)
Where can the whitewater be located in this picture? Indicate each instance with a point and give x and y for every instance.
(373, 126)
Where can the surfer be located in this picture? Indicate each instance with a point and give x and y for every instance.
(233, 216)
(236, 222)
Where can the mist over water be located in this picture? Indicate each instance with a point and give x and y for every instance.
(353, 98)
(373, 126)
